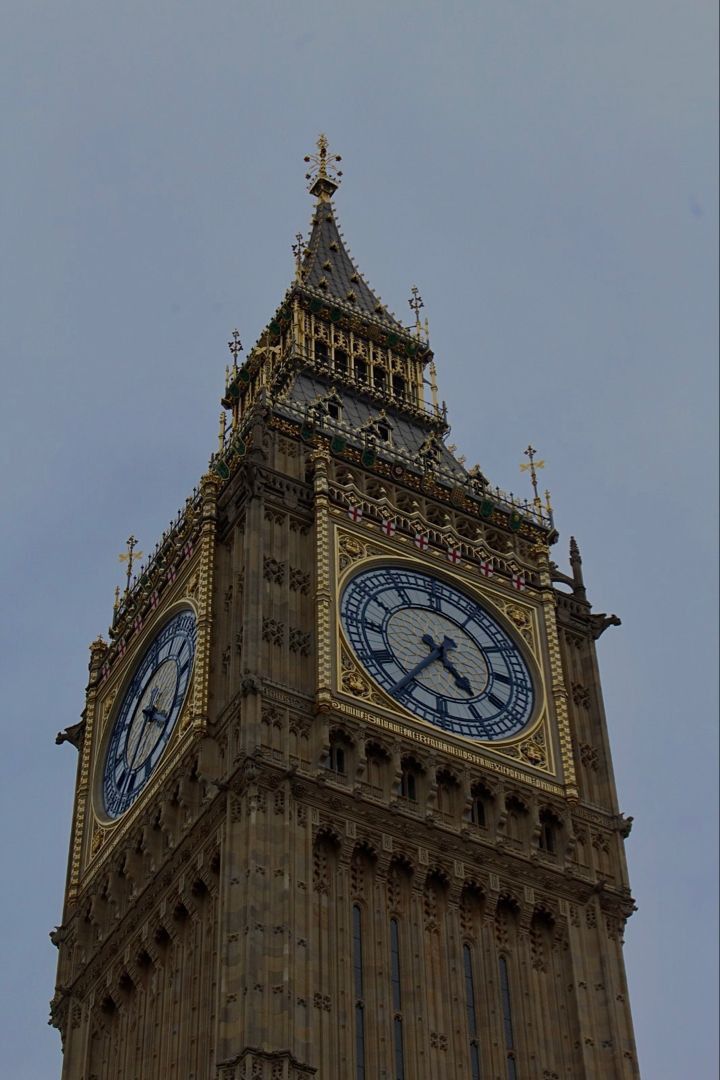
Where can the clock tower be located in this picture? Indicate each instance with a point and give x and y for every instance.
(345, 806)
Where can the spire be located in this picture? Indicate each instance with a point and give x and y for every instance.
(324, 264)
(576, 564)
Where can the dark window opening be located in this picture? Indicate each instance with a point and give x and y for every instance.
(337, 758)
(507, 1018)
(359, 997)
(398, 385)
(396, 1001)
(548, 834)
(379, 378)
(360, 370)
(477, 811)
(341, 361)
(471, 1013)
(408, 785)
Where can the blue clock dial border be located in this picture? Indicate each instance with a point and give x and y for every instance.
(141, 730)
(498, 709)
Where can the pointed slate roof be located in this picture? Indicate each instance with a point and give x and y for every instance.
(328, 270)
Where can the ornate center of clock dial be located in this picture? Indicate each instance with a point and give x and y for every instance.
(413, 636)
(151, 714)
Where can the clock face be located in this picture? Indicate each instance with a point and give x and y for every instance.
(148, 713)
(438, 652)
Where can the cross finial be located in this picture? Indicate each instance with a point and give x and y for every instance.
(129, 557)
(533, 465)
(416, 304)
(298, 250)
(235, 346)
(324, 175)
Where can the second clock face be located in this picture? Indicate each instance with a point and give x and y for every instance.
(438, 652)
(148, 711)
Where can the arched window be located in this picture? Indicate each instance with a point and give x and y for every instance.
(339, 753)
(447, 791)
(360, 370)
(399, 1073)
(479, 805)
(341, 361)
(408, 783)
(549, 829)
(377, 768)
(471, 1013)
(517, 817)
(359, 994)
(321, 352)
(507, 1018)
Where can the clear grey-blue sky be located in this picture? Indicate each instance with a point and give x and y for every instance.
(546, 173)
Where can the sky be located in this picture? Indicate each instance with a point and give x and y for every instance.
(545, 171)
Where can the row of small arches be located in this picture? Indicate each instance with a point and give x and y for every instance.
(514, 817)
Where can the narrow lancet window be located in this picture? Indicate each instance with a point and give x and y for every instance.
(471, 1014)
(359, 994)
(399, 1073)
(507, 1019)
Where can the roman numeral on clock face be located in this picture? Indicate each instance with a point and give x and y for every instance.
(383, 656)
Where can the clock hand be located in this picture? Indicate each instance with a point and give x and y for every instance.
(437, 652)
(433, 655)
(461, 681)
(149, 713)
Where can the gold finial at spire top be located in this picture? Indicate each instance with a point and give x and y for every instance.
(533, 465)
(416, 304)
(129, 556)
(323, 174)
(298, 250)
(235, 346)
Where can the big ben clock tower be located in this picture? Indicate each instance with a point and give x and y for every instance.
(345, 807)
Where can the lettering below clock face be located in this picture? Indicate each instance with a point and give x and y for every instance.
(438, 652)
(148, 713)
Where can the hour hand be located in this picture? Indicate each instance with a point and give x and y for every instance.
(461, 681)
(151, 711)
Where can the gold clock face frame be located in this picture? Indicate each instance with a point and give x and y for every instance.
(438, 652)
(536, 754)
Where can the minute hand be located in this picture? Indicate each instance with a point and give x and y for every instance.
(438, 651)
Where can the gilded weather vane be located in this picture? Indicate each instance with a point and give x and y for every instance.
(129, 557)
(235, 346)
(532, 465)
(416, 304)
(323, 173)
(298, 250)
